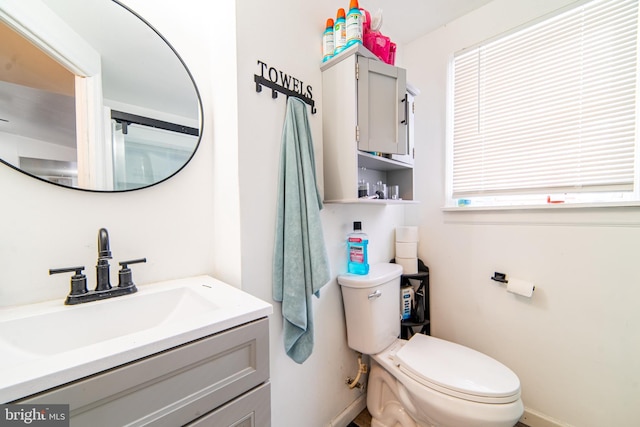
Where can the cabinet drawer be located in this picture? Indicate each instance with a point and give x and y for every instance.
(172, 387)
(250, 410)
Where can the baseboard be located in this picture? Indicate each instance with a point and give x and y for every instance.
(536, 419)
(350, 413)
(530, 417)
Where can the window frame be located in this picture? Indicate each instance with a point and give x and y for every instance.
(547, 199)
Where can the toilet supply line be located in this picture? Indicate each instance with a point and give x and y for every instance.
(362, 369)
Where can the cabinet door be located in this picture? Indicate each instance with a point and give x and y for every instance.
(382, 107)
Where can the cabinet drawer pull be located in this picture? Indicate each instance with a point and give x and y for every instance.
(406, 110)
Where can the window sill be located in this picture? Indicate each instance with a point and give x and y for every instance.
(548, 206)
(611, 214)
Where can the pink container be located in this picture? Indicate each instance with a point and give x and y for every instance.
(366, 21)
(392, 54)
(378, 44)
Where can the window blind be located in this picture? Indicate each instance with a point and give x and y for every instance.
(549, 108)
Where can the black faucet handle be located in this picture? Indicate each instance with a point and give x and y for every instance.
(125, 277)
(124, 264)
(78, 270)
(78, 280)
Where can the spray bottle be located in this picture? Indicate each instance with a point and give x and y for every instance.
(339, 33)
(354, 24)
(357, 242)
(327, 41)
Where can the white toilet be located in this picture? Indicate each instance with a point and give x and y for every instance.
(424, 381)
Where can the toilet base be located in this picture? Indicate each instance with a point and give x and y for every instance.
(383, 403)
(396, 400)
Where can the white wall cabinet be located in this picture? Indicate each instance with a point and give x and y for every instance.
(367, 117)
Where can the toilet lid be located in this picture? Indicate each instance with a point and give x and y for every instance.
(457, 370)
(378, 274)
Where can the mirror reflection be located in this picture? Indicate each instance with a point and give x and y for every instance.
(92, 97)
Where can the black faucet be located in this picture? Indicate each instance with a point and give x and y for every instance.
(103, 290)
(104, 255)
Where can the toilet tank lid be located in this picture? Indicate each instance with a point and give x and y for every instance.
(457, 368)
(378, 274)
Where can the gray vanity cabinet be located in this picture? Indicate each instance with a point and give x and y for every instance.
(366, 118)
(218, 381)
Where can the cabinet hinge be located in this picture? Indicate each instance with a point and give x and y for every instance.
(357, 71)
(413, 108)
(357, 133)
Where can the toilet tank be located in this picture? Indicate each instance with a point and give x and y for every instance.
(372, 307)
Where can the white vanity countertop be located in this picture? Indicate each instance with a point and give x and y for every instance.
(49, 344)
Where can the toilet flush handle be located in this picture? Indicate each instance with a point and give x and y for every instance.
(376, 294)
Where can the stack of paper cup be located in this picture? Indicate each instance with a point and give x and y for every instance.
(407, 249)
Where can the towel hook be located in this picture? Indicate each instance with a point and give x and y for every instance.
(275, 88)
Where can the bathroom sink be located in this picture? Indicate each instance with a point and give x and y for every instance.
(69, 328)
(48, 344)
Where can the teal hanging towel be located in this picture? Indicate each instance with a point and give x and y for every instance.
(300, 262)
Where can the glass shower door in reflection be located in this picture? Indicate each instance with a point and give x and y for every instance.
(144, 154)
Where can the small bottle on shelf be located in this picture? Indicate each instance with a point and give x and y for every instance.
(339, 33)
(328, 41)
(363, 189)
(354, 24)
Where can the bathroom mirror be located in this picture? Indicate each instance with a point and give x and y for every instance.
(92, 97)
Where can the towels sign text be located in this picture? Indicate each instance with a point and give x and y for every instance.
(285, 80)
(279, 81)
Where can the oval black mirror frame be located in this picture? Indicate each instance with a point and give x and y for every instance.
(200, 108)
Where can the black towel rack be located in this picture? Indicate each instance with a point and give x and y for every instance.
(275, 88)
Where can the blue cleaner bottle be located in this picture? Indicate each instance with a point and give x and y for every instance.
(354, 24)
(328, 41)
(339, 33)
(357, 242)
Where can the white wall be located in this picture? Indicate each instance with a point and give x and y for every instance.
(575, 344)
(216, 216)
(287, 36)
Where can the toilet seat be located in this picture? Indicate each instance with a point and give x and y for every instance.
(456, 370)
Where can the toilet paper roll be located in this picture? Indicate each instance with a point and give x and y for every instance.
(406, 234)
(407, 249)
(409, 265)
(520, 287)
